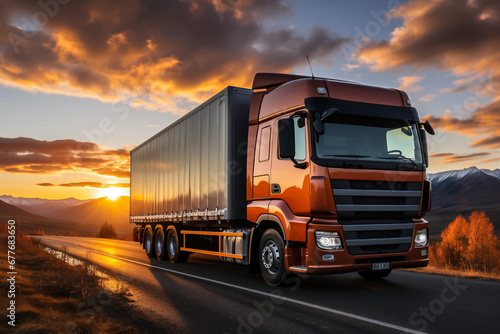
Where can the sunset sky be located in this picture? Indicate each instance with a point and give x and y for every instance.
(82, 82)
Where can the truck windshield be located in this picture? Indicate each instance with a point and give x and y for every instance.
(368, 138)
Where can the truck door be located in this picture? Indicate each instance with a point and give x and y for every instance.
(289, 183)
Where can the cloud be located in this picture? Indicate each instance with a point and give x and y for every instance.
(450, 35)
(461, 85)
(32, 156)
(449, 158)
(95, 185)
(409, 83)
(484, 121)
(350, 67)
(86, 185)
(428, 98)
(491, 142)
(162, 54)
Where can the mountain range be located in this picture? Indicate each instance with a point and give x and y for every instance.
(461, 192)
(453, 193)
(42, 206)
(67, 216)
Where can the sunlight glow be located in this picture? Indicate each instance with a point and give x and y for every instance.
(113, 193)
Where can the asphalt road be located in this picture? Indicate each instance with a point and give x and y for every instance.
(206, 295)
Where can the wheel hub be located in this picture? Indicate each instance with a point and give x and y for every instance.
(270, 256)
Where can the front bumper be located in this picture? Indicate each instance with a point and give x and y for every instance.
(312, 260)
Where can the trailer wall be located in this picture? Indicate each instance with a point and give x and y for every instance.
(195, 169)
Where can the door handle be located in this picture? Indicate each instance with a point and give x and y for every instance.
(275, 188)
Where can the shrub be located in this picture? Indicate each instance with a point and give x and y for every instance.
(107, 231)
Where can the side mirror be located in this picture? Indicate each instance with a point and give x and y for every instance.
(286, 135)
(423, 140)
(428, 127)
(318, 125)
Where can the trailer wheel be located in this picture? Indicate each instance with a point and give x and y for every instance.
(160, 245)
(272, 257)
(374, 275)
(148, 243)
(173, 249)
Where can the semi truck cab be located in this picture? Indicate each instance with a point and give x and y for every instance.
(338, 172)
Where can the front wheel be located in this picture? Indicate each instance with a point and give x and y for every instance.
(374, 275)
(173, 249)
(272, 257)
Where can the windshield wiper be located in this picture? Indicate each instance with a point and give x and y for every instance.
(400, 157)
(347, 155)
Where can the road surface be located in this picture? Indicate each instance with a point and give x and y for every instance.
(206, 295)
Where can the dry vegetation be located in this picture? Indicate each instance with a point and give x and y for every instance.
(55, 297)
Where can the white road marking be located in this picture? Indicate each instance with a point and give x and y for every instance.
(270, 295)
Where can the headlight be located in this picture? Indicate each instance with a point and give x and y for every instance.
(328, 240)
(421, 238)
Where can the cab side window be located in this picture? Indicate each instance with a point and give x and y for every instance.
(300, 138)
(265, 141)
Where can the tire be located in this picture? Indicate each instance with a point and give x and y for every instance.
(149, 243)
(272, 257)
(374, 275)
(173, 249)
(160, 244)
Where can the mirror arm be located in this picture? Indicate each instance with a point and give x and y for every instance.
(301, 165)
(427, 127)
(301, 113)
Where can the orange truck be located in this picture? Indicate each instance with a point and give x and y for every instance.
(297, 175)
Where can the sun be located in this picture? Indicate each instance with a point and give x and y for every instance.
(112, 193)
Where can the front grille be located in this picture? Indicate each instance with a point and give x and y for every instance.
(376, 215)
(376, 199)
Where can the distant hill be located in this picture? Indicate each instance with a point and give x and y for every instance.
(91, 215)
(82, 219)
(461, 192)
(41, 206)
(30, 222)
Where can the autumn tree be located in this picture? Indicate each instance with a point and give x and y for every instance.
(482, 242)
(467, 245)
(455, 243)
(107, 231)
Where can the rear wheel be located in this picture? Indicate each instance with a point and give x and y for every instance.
(160, 244)
(148, 243)
(173, 248)
(374, 274)
(272, 257)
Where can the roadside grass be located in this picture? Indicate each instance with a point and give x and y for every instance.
(474, 274)
(53, 296)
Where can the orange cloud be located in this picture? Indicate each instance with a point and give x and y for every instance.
(409, 83)
(449, 158)
(32, 156)
(158, 54)
(458, 36)
(87, 184)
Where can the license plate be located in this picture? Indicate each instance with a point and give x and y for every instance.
(381, 266)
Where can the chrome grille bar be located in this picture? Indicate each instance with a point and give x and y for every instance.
(388, 193)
